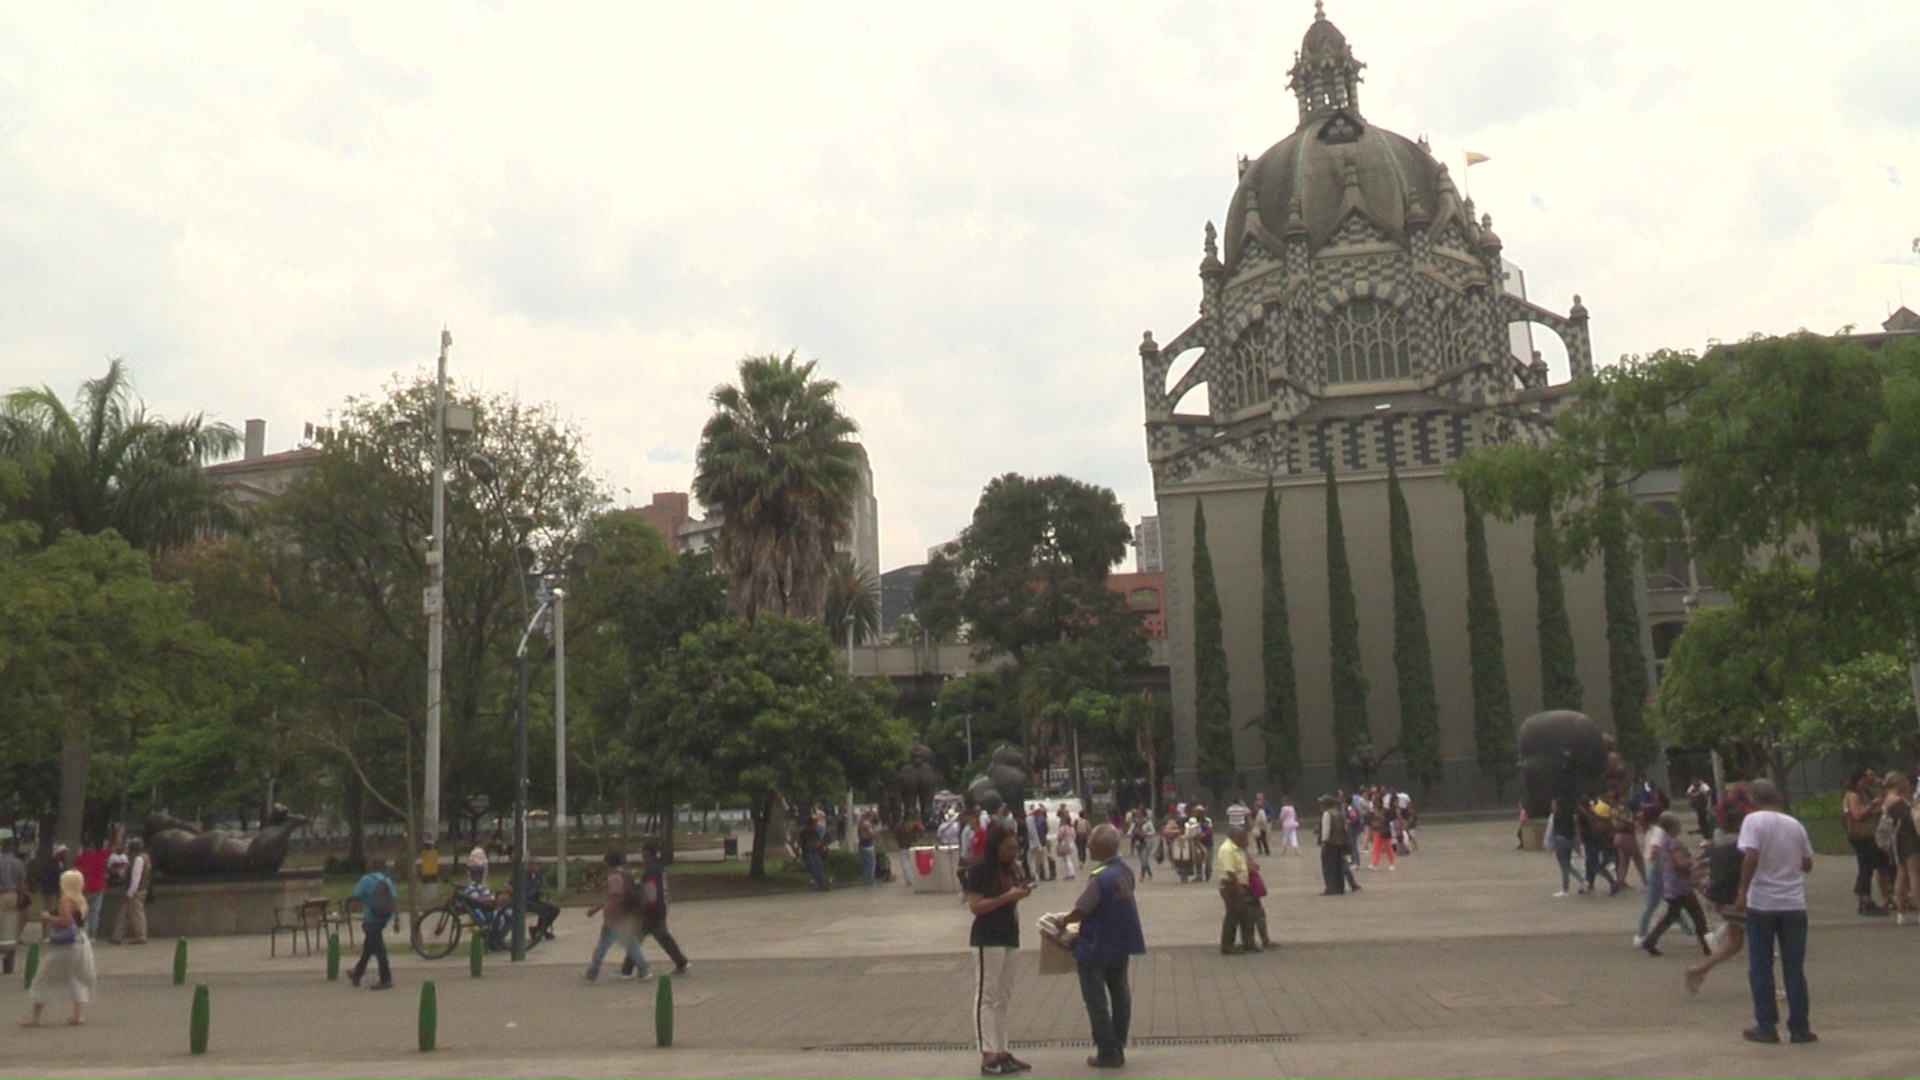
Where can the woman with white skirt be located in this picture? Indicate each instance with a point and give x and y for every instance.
(67, 970)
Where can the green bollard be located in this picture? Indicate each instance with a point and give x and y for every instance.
(197, 1021)
(33, 963)
(429, 1015)
(333, 957)
(663, 1012)
(180, 962)
(476, 955)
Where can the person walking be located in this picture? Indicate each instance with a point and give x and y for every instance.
(812, 839)
(653, 906)
(618, 912)
(869, 854)
(1776, 857)
(92, 864)
(1063, 840)
(1262, 824)
(1039, 859)
(995, 887)
(1333, 847)
(1230, 866)
(1723, 883)
(1110, 936)
(1860, 812)
(1289, 827)
(1676, 886)
(1656, 888)
(131, 926)
(66, 968)
(378, 905)
(15, 899)
(1561, 832)
(1380, 826)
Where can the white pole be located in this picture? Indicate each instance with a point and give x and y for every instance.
(436, 613)
(560, 740)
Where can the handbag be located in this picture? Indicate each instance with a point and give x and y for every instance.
(1256, 885)
(1861, 829)
(64, 935)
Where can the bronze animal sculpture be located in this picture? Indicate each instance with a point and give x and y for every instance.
(180, 848)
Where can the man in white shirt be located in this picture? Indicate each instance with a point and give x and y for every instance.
(1237, 814)
(1776, 857)
(131, 927)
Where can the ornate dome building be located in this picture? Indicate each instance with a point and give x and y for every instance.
(1356, 314)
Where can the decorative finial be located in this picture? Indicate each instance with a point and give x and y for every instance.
(1319, 11)
(1213, 246)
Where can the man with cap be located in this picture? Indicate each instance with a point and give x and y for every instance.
(1109, 934)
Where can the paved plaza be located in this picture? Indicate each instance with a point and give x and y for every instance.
(1458, 963)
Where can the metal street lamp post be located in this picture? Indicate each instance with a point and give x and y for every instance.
(436, 616)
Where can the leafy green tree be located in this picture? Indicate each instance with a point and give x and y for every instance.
(1213, 703)
(984, 703)
(1032, 566)
(1350, 724)
(1412, 653)
(768, 709)
(1559, 676)
(1132, 733)
(349, 537)
(95, 652)
(106, 464)
(777, 462)
(938, 595)
(1280, 720)
(1493, 731)
(1626, 661)
(853, 600)
(1861, 709)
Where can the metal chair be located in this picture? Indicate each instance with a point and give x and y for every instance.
(287, 920)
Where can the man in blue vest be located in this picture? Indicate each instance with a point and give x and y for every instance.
(1109, 934)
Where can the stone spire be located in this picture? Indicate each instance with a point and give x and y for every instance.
(1324, 76)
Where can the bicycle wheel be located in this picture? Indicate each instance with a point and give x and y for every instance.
(437, 933)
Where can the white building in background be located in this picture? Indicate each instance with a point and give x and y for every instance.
(1146, 546)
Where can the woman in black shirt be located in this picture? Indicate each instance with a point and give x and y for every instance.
(995, 886)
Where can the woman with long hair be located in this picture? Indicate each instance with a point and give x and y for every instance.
(1860, 814)
(68, 968)
(1676, 885)
(1898, 805)
(995, 886)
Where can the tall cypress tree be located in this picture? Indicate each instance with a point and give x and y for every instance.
(1412, 652)
(1559, 678)
(1343, 617)
(1213, 705)
(1626, 661)
(1280, 723)
(1492, 702)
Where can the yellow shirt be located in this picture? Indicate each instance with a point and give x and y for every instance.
(1230, 861)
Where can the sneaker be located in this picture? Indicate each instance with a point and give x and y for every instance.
(683, 969)
(1638, 939)
(642, 976)
(1016, 1064)
(1561, 895)
(997, 1068)
(590, 975)
(354, 978)
(1651, 949)
(1099, 1061)
(1801, 1038)
(1760, 1035)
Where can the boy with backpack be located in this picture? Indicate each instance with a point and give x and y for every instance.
(377, 907)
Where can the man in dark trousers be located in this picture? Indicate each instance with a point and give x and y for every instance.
(378, 903)
(1109, 934)
(653, 908)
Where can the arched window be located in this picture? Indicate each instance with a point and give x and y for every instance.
(1369, 344)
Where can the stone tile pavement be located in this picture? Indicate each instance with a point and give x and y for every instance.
(1459, 963)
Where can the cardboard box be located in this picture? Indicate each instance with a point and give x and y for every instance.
(1055, 958)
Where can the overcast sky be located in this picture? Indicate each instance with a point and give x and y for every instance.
(967, 213)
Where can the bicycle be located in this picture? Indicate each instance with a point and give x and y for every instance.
(439, 930)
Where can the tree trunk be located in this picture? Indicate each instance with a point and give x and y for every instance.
(354, 806)
(762, 815)
(666, 830)
(74, 751)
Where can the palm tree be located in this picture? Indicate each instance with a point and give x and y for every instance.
(852, 593)
(777, 463)
(106, 464)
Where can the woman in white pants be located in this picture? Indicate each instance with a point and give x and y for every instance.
(1063, 840)
(995, 886)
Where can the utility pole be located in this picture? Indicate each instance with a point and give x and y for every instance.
(436, 615)
(560, 741)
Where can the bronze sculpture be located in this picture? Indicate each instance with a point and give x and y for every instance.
(180, 848)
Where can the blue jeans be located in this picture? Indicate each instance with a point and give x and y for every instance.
(1098, 985)
(867, 864)
(1563, 850)
(621, 932)
(1655, 875)
(1789, 928)
(816, 868)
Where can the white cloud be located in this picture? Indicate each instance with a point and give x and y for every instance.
(968, 217)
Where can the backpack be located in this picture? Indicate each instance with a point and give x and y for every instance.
(1723, 873)
(381, 906)
(1885, 832)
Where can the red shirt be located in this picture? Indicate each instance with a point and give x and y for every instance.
(92, 865)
